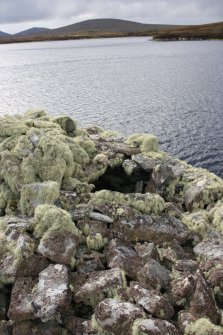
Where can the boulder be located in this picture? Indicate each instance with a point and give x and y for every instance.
(59, 246)
(155, 327)
(154, 275)
(116, 317)
(96, 286)
(20, 308)
(209, 249)
(152, 228)
(33, 195)
(155, 304)
(51, 293)
(120, 253)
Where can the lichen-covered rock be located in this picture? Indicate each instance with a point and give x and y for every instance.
(5, 327)
(33, 195)
(209, 249)
(152, 228)
(203, 303)
(40, 328)
(120, 253)
(216, 216)
(21, 300)
(203, 326)
(59, 246)
(154, 327)
(146, 251)
(51, 293)
(197, 222)
(115, 317)
(154, 275)
(213, 270)
(182, 289)
(145, 142)
(98, 286)
(146, 203)
(78, 326)
(154, 303)
(49, 218)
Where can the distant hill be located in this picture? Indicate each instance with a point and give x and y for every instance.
(33, 31)
(2, 34)
(204, 31)
(116, 28)
(108, 25)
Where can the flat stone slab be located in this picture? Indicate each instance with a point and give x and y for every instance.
(152, 228)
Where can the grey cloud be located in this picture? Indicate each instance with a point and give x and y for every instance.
(15, 11)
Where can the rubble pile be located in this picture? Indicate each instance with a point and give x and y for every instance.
(105, 235)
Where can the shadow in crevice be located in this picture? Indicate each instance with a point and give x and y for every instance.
(117, 180)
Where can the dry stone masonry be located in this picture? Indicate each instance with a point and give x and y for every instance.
(105, 235)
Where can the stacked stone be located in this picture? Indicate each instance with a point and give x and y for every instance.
(105, 235)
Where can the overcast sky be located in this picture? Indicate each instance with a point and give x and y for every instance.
(17, 15)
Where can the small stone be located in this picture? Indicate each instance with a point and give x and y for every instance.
(203, 303)
(98, 286)
(154, 275)
(120, 253)
(154, 303)
(152, 228)
(116, 317)
(59, 246)
(209, 249)
(6, 327)
(78, 326)
(156, 327)
(51, 293)
(38, 328)
(33, 195)
(21, 299)
(182, 289)
(146, 251)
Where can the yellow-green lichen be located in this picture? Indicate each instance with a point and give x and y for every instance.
(145, 142)
(50, 218)
(97, 327)
(197, 222)
(202, 326)
(216, 216)
(96, 242)
(36, 194)
(146, 203)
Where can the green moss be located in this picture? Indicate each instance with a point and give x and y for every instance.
(10, 170)
(101, 159)
(97, 327)
(5, 195)
(34, 114)
(145, 142)
(36, 194)
(216, 216)
(135, 327)
(110, 135)
(49, 218)
(96, 242)
(12, 125)
(146, 203)
(73, 184)
(202, 327)
(23, 147)
(197, 222)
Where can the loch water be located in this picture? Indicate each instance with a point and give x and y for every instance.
(171, 89)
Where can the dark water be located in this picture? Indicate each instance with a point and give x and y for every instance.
(171, 89)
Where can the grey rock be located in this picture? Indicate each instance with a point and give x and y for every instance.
(154, 303)
(154, 275)
(157, 327)
(152, 228)
(116, 317)
(51, 293)
(120, 253)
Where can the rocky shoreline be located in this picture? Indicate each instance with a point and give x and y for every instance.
(101, 234)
